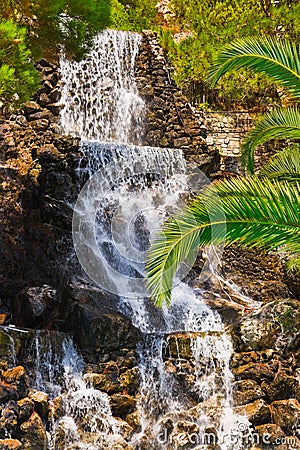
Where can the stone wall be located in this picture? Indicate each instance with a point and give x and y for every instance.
(170, 121)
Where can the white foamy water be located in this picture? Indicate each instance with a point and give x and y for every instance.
(99, 94)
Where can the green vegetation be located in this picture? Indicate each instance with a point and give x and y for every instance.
(256, 211)
(280, 61)
(214, 24)
(18, 77)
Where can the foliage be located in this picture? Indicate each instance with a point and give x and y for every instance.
(254, 211)
(18, 78)
(133, 15)
(69, 22)
(214, 24)
(280, 61)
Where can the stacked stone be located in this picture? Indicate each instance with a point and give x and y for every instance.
(170, 121)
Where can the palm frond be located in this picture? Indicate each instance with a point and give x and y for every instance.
(253, 213)
(281, 123)
(284, 165)
(278, 59)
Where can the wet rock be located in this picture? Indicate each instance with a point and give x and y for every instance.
(275, 326)
(134, 420)
(246, 391)
(7, 392)
(17, 378)
(33, 433)
(107, 382)
(130, 380)
(55, 408)
(10, 444)
(34, 305)
(55, 108)
(257, 412)
(44, 99)
(286, 414)
(99, 332)
(122, 405)
(40, 400)
(9, 419)
(26, 408)
(55, 95)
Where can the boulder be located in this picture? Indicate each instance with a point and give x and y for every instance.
(40, 125)
(10, 444)
(99, 331)
(286, 414)
(33, 433)
(34, 305)
(7, 392)
(9, 419)
(40, 400)
(26, 408)
(257, 412)
(270, 433)
(17, 378)
(122, 405)
(246, 391)
(31, 107)
(254, 371)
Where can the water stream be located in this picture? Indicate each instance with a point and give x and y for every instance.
(185, 398)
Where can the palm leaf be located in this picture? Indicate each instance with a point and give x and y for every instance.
(253, 213)
(279, 123)
(279, 60)
(284, 165)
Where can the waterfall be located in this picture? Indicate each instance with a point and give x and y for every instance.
(99, 94)
(129, 190)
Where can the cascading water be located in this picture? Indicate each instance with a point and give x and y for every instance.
(130, 191)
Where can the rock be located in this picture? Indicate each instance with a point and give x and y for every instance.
(283, 387)
(270, 433)
(55, 95)
(276, 326)
(107, 382)
(254, 371)
(10, 444)
(6, 345)
(44, 114)
(257, 412)
(26, 408)
(99, 332)
(31, 107)
(134, 420)
(40, 400)
(9, 419)
(55, 108)
(7, 392)
(122, 405)
(35, 304)
(44, 99)
(130, 380)
(246, 391)
(40, 125)
(18, 378)
(33, 433)
(286, 414)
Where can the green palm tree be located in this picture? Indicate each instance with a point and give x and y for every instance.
(256, 211)
(280, 61)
